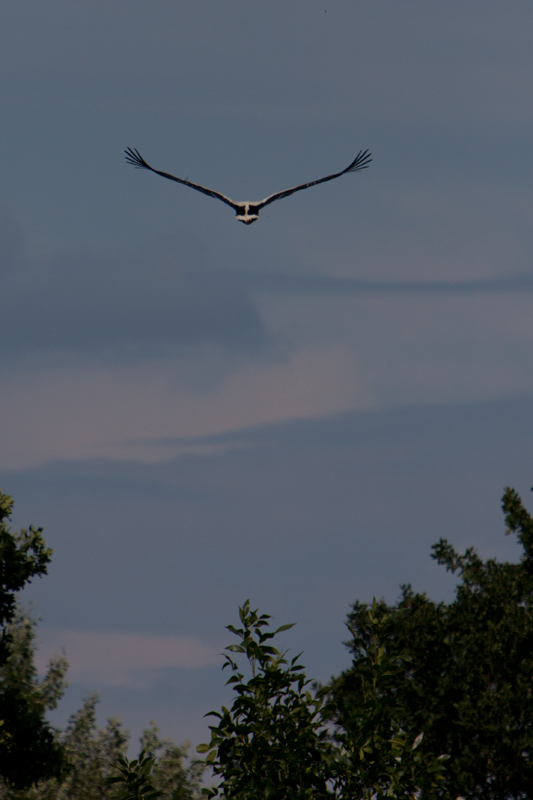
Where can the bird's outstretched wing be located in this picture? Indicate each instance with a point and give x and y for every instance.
(361, 161)
(135, 158)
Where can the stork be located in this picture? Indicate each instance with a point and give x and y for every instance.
(248, 212)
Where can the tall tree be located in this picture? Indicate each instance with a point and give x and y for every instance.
(38, 762)
(385, 751)
(272, 743)
(28, 749)
(463, 670)
(94, 754)
(275, 742)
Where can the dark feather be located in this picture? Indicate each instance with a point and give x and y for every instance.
(361, 162)
(135, 158)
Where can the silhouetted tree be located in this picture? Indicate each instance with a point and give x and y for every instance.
(461, 672)
(28, 749)
(275, 742)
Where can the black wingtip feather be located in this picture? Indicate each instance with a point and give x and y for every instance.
(362, 161)
(135, 158)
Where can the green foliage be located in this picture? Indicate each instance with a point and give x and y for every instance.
(158, 772)
(31, 748)
(23, 555)
(93, 755)
(28, 750)
(276, 741)
(438, 702)
(171, 775)
(272, 743)
(19, 672)
(461, 673)
(383, 747)
(134, 778)
(36, 761)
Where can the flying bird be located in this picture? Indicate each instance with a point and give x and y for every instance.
(248, 212)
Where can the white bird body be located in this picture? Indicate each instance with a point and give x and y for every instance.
(248, 212)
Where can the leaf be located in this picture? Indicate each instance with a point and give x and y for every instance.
(417, 741)
(109, 781)
(233, 629)
(285, 627)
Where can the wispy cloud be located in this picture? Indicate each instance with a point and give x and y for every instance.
(103, 658)
(123, 306)
(284, 283)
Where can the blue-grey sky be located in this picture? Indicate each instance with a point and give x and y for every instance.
(198, 411)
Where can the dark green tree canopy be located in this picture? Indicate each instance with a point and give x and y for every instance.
(438, 702)
(23, 555)
(28, 748)
(465, 676)
(276, 742)
(38, 762)
(272, 743)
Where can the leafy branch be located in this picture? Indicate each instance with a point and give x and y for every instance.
(134, 778)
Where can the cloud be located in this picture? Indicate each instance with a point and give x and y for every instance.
(302, 517)
(347, 344)
(288, 283)
(103, 658)
(120, 412)
(125, 306)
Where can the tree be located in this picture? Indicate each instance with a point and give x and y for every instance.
(275, 742)
(38, 762)
(90, 754)
(463, 670)
(386, 753)
(134, 779)
(28, 749)
(272, 743)
(172, 775)
(93, 755)
(23, 555)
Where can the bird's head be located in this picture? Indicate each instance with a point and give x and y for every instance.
(248, 218)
